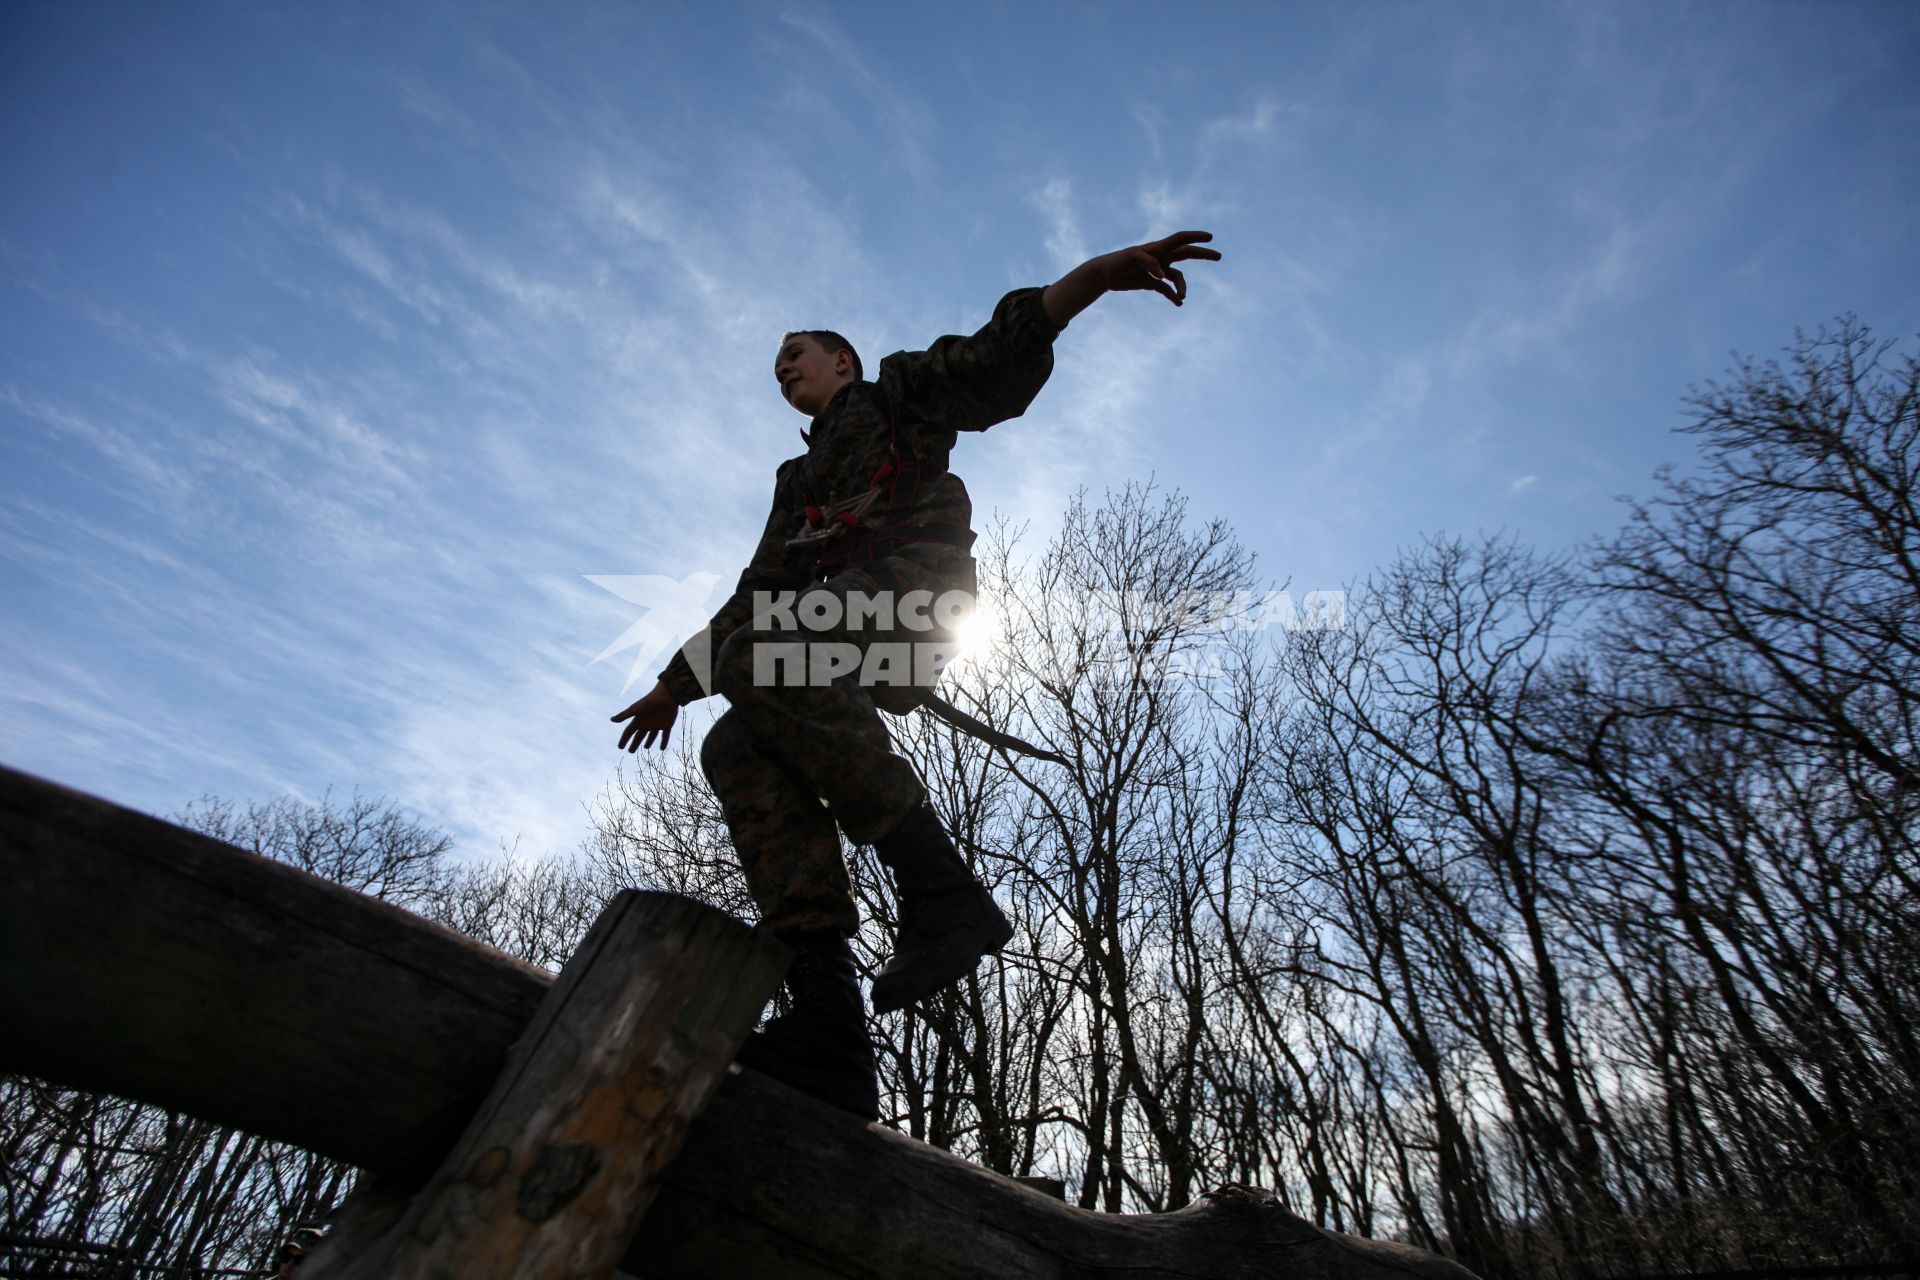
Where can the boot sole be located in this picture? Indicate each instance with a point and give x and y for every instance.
(944, 967)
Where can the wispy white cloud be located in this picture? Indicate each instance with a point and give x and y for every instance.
(1066, 246)
(1162, 206)
(907, 123)
(1557, 303)
(306, 413)
(149, 471)
(1261, 120)
(446, 117)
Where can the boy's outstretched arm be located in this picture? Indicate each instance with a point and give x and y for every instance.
(1142, 266)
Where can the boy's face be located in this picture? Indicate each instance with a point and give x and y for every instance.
(809, 375)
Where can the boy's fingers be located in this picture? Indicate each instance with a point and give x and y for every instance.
(1179, 281)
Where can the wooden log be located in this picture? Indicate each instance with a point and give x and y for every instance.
(773, 1183)
(144, 960)
(139, 958)
(558, 1167)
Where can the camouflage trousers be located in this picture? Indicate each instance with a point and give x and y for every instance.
(791, 760)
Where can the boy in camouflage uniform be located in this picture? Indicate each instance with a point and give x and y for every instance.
(868, 529)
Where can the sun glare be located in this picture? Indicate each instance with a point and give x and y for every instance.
(977, 635)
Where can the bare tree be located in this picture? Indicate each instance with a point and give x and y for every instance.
(1747, 723)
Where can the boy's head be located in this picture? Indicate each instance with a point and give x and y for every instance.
(812, 365)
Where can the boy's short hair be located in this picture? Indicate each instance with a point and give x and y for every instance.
(831, 342)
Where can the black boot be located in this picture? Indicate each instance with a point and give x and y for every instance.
(948, 920)
(820, 1045)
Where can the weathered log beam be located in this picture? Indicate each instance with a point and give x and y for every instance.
(773, 1184)
(139, 958)
(144, 960)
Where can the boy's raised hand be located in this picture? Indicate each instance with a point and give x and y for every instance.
(1142, 266)
(1150, 266)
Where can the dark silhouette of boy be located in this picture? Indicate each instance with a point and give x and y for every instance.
(848, 608)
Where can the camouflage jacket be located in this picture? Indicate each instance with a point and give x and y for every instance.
(957, 384)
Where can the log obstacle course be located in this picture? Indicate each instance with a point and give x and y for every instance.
(518, 1125)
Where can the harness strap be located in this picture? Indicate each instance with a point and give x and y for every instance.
(841, 527)
(902, 469)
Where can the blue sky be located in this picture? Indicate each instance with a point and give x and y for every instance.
(341, 343)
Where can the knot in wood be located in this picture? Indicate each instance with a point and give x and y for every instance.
(487, 1169)
(554, 1178)
(1239, 1197)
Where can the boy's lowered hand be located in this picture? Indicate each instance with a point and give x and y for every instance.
(652, 716)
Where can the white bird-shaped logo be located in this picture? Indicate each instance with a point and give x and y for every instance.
(674, 610)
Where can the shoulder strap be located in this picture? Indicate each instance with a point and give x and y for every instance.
(901, 462)
(883, 405)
